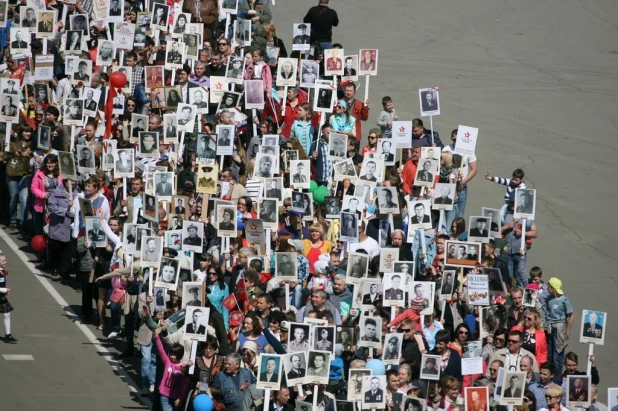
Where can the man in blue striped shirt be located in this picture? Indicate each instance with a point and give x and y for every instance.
(319, 150)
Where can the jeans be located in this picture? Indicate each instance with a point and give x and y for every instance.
(449, 217)
(296, 296)
(555, 357)
(148, 365)
(141, 98)
(461, 202)
(167, 404)
(517, 269)
(18, 191)
(326, 45)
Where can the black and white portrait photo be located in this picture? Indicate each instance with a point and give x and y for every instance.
(152, 250)
(173, 238)
(298, 337)
(332, 206)
(77, 22)
(371, 171)
(513, 386)
(268, 211)
(387, 200)
(85, 159)
(345, 169)
(421, 214)
(242, 32)
(370, 332)
(337, 146)
(28, 18)
(479, 229)
(254, 94)
(192, 294)
(345, 337)
(43, 137)
(198, 97)
(472, 349)
(355, 383)
(164, 184)
(229, 6)
(406, 268)
(443, 196)
(20, 43)
(430, 367)
(496, 284)
(66, 162)
(495, 225)
(167, 276)
(324, 338)
(265, 166)
(350, 68)
(394, 289)
(115, 10)
(374, 392)
(349, 227)
(426, 172)
(429, 102)
(324, 98)
(45, 23)
(371, 294)
(391, 353)
(226, 221)
(123, 166)
(286, 72)
(94, 232)
(273, 188)
(149, 144)
(205, 148)
(175, 55)
(159, 18)
(269, 372)
(300, 39)
(295, 367)
(285, 266)
(9, 86)
(461, 253)
(139, 123)
(150, 208)
(225, 139)
(235, 69)
(525, 203)
(318, 367)
(192, 236)
(357, 267)
(196, 322)
(186, 117)
(309, 73)
(41, 93)
(73, 115)
(448, 284)
(106, 53)
(170, 128)
(91, 100)
(388, 150)
(593, 326)
(300, 173)
(297, 202)
(229, 100)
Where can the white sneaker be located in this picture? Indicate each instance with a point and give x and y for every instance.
(113, 335)
(151, 388)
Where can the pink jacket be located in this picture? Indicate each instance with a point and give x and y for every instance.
(38, 190)
(266, 76)
(175, 383)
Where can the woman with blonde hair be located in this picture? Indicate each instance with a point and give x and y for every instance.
(315, 245)
(533, 337)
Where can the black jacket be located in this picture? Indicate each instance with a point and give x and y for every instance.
(322, 20)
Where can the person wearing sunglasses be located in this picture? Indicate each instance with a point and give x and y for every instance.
(534, 335)
(511, 355)
(553, 397)
(494, 343)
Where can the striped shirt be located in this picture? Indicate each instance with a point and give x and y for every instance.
(509, 187)
(324, 166)
(254, 189)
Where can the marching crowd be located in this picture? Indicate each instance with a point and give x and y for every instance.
(251, 311)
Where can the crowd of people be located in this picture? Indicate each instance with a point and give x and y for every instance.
(137, 199)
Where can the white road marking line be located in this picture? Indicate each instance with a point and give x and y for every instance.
(18, 357)
(84, 329)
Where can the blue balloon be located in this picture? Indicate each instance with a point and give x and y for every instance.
(203, 403)
(376, 366)
(239, 217)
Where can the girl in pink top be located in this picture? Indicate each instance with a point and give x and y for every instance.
(175, 383)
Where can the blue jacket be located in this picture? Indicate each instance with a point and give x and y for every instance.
(60, 215)
(425, 141)
(229, 390)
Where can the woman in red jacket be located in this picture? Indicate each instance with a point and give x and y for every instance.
(534, 337)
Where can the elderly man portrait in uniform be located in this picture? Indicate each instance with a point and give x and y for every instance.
(123, 165)
(174, 57)
(394, 293)
(29, 20)
(96, 234)
(299, 176)
(303, 37)
(577, 392)
(46, 25)
(419, 216)
(296, 371)
(445, 192)
(89, 103)
(19, 42)
(370, 169)
(367, 62)
(195, 327)
(334, 62)
(192, 238)
(481, 228)
(375, 394)
(424, 174)
(163, 188)
(429, 101)
(372, 297)
(150, 254)
(273, 191)
(194, 293)
(591, 328)
(198, 100)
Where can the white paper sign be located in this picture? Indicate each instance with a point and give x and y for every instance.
(471, 366)
(123, 35)
(466, 140)
(44, 67)
(402, 133)
(254, 229)
(478, 289)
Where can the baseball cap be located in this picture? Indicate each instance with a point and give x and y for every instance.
(556, 284)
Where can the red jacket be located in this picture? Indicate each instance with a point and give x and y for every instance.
(540, 347)
(408, 174)
(360, 112)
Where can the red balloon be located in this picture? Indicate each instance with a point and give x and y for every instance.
(38, 243)
(118, 79)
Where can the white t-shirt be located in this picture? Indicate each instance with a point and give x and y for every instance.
(470, 158)
(369, 244)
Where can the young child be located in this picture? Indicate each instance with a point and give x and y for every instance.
(5, 306)
(387, 116)
(516, 181)
(175, 383)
